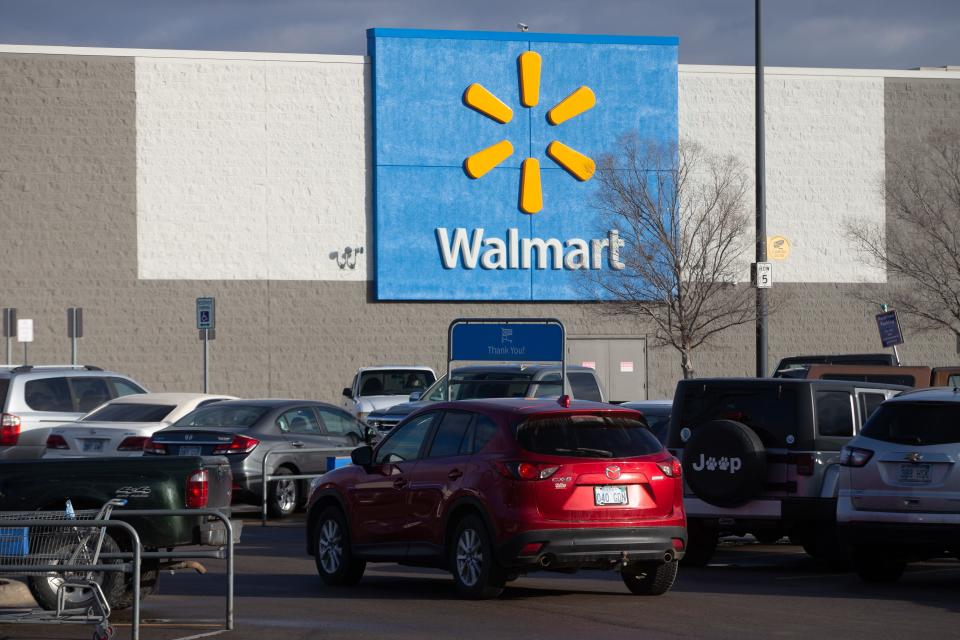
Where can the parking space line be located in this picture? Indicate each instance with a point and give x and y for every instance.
(203, 635)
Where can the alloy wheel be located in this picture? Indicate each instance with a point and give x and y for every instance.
(469, 557)
(330, 546)
(286, 495)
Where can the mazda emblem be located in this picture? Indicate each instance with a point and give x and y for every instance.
(613, 472)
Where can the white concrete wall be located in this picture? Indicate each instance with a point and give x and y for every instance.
(824, 157)
(251, 169)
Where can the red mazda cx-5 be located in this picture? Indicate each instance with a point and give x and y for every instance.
(491, 489)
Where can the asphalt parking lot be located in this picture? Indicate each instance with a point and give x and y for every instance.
(751, 590)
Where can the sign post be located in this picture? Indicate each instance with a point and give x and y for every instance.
(890, 332)
(25, 335)
(508, 340)
(9, 330)
(74, 330)
(206, 324)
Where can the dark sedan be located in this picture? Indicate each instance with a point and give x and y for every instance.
(245, 430)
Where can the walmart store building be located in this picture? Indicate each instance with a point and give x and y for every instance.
(344, 209)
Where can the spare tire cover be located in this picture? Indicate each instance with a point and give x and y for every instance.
(725, 463)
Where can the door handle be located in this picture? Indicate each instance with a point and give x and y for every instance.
(297, 444)
(454, 474)
(400, 483)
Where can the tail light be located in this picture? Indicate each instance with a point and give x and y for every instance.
(671, 468)
(55, 441)
(155, 448)
(564, 401)
(805, 463)
(526, 470)
(854, 456)
(198, 489)
(9, 429)
(134, 443)
(239, 444)
(531, 549)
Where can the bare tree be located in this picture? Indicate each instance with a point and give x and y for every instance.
(682, 214)
(920, 248)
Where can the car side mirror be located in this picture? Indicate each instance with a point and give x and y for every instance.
(415, 396)
(347, 392)
(362, 456)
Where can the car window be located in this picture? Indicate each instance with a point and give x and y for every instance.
(915, 423)
(4, 383)
(549, 386)
(394, 382)
(770, 411)
(483, 431)
(584, 386)
(453, 429)
(505, 384)
(125, 387)
(48, 394)
(119, 412)
(834, 414)
(90, 392)
(869, 402)
(587, 436)
(659, 426)
(437, 392)
(952, 381)
(880, 378)
(236, 416)
(301, 421)
(338, 422)
(405, 441)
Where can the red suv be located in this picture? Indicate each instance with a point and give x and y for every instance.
(491, 489)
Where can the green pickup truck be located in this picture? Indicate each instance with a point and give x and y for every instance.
(145, 483)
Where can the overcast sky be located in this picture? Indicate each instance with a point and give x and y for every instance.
(822, 33)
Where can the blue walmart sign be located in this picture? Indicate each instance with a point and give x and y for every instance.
(485, 148)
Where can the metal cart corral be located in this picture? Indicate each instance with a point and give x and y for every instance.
(62, 551)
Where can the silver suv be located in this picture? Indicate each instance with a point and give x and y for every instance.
(761, 456)
(35, 398)
(900, 486)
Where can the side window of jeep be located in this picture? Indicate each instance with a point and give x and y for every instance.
(834, 414)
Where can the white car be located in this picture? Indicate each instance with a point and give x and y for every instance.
(122, 426)
(376, 388)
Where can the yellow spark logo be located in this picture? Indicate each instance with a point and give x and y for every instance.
(479, 98)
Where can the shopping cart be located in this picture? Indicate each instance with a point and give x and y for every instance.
(33, 549)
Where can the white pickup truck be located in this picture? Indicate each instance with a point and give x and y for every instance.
(382, 387)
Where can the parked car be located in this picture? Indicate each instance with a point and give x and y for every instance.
(245, 430)
(761, 456)
(796, 366)
(900, 487)
(35, 398)
(657, 413)
(123, 426)
(178, 483)
(491, 489)
(382, 387)
(907, 376)
(496, 381)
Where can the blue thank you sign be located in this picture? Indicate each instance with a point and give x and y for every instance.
(507, 342)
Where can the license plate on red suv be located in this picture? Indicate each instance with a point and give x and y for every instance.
(610, 494)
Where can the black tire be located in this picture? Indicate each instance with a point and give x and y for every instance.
(283, 496)
(701, 544)
(149, 579)
(825, 546)
(476, 572)
(331, 550)
(725, 463)
(650, 580)
(112, 583)
(877, 565)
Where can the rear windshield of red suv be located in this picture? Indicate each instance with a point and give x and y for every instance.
(587, 436)
(916, 423)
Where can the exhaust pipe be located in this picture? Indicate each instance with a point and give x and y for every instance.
(668, 556)
(546, 560)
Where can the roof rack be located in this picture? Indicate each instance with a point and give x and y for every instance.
(23, 368)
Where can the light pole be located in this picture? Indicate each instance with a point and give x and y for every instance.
(761, 203)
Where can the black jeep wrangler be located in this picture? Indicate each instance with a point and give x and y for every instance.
(760, 456)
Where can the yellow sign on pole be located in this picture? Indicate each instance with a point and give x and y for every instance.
(778, 248)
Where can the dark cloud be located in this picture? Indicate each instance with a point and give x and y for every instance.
(847, 33)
